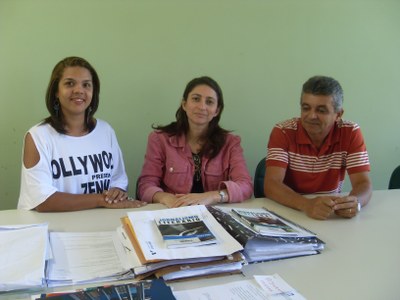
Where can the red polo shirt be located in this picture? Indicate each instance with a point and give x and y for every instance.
(309, 170)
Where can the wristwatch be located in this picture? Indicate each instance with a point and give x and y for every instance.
(222, 194)
(358, 206)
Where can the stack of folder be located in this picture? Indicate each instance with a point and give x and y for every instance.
(279, 239)
(154, 257)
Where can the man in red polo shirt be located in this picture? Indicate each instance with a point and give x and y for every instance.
(311, 154)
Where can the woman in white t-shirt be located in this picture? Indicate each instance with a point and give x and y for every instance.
(72, 161)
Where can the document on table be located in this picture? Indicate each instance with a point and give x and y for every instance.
(270, 287)
(85, 257)
(23, 252)
(153, 246)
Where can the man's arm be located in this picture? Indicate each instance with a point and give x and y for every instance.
(274, 188)
(361, 187)
(361, 192)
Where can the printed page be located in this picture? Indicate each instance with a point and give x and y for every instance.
(238, 290)
(23, 252)
(275, 225)
(154, 247)
(269, 287)
(83, 257)
(276, 288)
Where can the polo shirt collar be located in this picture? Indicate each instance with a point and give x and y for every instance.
(303, 138)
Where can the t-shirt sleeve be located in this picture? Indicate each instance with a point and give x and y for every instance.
(357, 155)
(36, 182)
(277, 150)
(119, 177)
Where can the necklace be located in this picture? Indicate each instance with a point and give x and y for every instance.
(197, 166)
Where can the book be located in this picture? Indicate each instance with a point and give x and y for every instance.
(186, 231)
(268, 223)
(155, 258)
(150, 246)
(141, 290)
(258, 247)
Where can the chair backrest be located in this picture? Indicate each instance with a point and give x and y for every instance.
(394, 181)
(137, 189)
(259, 179)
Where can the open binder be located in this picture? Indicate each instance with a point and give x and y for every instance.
(258, 247)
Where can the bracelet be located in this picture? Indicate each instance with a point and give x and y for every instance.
(222, 194)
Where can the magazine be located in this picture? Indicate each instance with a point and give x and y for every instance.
(259, 247)
(187, 231)
(264, 222)
(267, 223)
(155, 289)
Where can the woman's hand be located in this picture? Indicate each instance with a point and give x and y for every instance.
(207, 198)
(117, 198)
(115, 195)
(178, 200)
(127, 203)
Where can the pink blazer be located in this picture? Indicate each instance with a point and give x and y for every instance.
(168, 167)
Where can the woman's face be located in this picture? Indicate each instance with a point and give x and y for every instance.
(75, 91)
(201, 105)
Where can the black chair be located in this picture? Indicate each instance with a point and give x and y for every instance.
(137, 189)
(259, 179)
(394, 181)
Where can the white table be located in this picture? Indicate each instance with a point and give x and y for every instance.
(361, 259)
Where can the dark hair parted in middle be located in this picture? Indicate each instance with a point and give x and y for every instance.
(215, 136)
(56, 118)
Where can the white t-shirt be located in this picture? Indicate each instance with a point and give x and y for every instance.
(77, 165)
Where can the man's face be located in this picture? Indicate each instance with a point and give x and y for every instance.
(318, 115)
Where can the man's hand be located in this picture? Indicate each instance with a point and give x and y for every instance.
(346, 207)
(320, 207)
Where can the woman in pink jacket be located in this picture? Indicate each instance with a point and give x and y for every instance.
(193, 160)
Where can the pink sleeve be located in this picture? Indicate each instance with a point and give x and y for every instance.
(151, 175)
(239, 183)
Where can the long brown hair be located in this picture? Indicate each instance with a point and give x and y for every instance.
(215, 137)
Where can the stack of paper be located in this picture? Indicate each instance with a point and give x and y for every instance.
(23, 252)
(268, 243)
(155, 257)
(82, 257)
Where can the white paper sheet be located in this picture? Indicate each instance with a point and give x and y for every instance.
(154, 248)
(84, 257)
(270, 287)
(23, 251)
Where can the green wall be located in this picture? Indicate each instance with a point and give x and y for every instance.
(146, 51)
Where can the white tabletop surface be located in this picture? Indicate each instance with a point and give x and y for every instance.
(361, 259)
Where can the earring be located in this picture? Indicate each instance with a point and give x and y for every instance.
(88, 117)
(57, 108)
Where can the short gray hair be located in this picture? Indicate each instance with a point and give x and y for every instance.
(327, 86)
